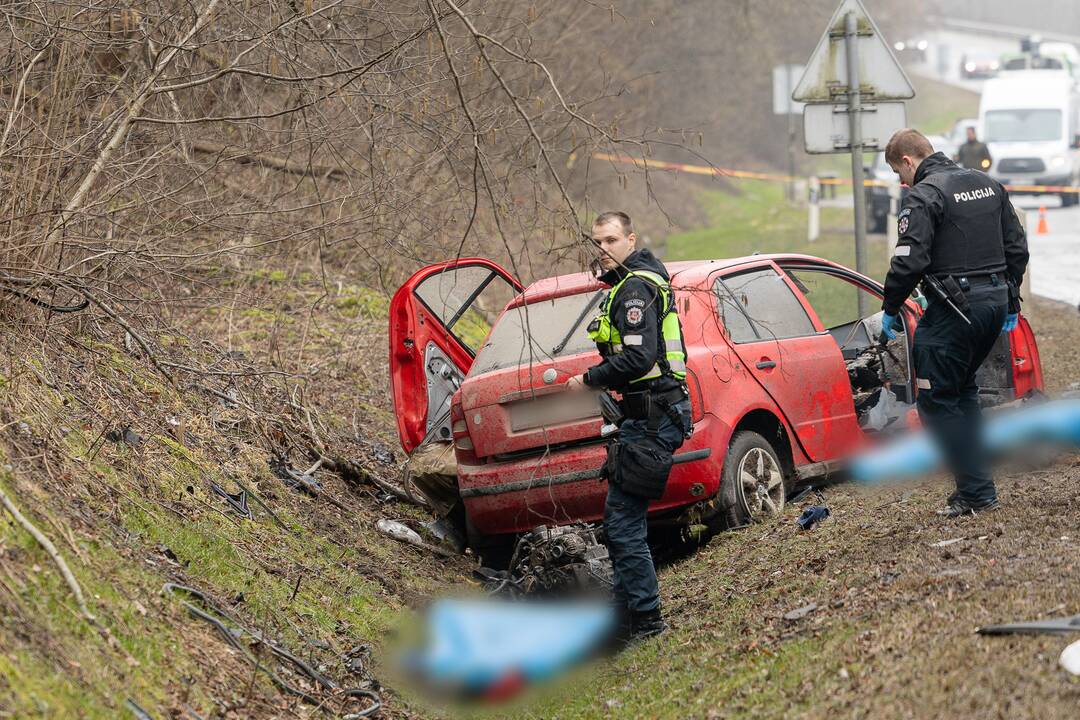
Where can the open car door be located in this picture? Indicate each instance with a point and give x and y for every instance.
(439, 319)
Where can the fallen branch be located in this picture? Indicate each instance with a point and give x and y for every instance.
(272, 162)
(44, 541)
(69, 578)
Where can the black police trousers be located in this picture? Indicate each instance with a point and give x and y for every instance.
(948, 353)
(624, 520)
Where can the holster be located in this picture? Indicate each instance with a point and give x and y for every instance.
(1014, 298)
(955, 293)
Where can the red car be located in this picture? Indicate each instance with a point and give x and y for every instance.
(786, 381)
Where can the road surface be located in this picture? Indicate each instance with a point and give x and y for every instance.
(1055, 257)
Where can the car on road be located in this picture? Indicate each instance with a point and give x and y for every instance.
(1031, 125)
(979, 66)
(785, 375)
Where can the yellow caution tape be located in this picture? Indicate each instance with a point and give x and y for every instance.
(650, 164)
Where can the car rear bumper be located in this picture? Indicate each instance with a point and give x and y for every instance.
(565, 486)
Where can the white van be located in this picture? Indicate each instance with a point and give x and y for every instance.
(1028, 119)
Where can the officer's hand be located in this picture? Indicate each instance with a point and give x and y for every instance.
(1011, 321)
(576, 383)
(889, 326)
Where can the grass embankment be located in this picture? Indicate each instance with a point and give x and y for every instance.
(757, 218)
(130, 510)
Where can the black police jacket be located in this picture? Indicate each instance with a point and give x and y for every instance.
(636, 315)
(954, 222)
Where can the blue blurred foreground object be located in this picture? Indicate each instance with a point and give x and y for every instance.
(495, 646)
(1051, 422)
(811, 516)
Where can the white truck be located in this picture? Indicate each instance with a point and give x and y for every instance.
(1029, 121)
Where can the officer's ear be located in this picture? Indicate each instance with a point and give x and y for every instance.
(632, 237)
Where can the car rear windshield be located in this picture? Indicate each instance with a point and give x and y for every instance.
(1023, 125)
(548, 323)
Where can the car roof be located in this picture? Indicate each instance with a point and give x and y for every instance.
(683, 272)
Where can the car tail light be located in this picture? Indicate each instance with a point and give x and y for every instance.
(697, 402)
(463, 444)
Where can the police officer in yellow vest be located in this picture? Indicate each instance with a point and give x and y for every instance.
(643, 359)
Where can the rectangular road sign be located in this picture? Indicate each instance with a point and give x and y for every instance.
(784, 79)
(827, 128)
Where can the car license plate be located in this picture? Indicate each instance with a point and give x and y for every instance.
(553, 410)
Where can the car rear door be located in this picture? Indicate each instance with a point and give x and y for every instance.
(439, 319)
(800, 365)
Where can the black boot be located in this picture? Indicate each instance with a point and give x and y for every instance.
(647, 624)
(959, 507)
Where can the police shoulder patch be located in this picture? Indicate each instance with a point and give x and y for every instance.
(902, 224)
(634, 315)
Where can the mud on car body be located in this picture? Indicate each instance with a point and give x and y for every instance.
(786, 380)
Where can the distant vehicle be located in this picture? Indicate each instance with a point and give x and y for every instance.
(783, 372)
(877, 196)
(1030, 123)
(913, 50)
(979, 65)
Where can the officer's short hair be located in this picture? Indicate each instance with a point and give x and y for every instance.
(910, 142)
(622, 218)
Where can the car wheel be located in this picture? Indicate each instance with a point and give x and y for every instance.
(1068, 199)
(753, 486)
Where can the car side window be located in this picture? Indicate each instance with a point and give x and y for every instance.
(759, 305)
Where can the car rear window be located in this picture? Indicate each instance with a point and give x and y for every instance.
(547, 323)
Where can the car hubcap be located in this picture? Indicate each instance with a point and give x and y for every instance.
(762, 484)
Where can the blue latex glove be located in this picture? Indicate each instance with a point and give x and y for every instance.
(1010, 322)
(889, 327)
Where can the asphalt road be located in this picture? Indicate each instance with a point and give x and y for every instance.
(1055, 256)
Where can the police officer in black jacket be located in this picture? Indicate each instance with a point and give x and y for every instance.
(639, 337)
(956, 226)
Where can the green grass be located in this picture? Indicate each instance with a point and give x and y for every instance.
(758, 219)
(937, 106)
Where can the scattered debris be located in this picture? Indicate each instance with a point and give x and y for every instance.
(800, 613)
(1035, 627)
(405, 534)
(125, 435)
(398, 531)
(811, 516)
(137, 711)
(566, 561)
(1070, 658)
(946, 543)
(232, 631)
(237, 501)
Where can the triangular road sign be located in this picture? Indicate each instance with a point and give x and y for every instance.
(880, 75)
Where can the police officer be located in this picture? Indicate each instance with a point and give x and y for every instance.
(957, 226)
(973, 154)
(644, 359)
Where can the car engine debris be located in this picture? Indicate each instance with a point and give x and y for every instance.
(566, 561)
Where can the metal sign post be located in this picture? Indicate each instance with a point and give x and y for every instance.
(854, 73)
(858, 188)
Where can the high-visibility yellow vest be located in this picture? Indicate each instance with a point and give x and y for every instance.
(603, 331)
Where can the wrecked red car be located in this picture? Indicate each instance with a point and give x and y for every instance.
(786, 380)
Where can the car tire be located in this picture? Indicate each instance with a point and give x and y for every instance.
(1068, 199)
(753, 483)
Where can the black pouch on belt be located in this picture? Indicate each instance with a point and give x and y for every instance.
(643, 469)
(958, 296)
(637, 405)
